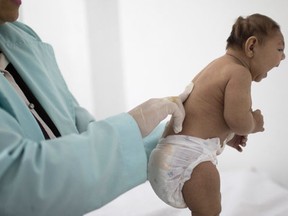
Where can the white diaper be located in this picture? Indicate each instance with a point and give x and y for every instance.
(172, 162)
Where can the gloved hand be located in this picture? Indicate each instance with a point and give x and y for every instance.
(150, 113)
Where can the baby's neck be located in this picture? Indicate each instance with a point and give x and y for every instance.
(237, 56)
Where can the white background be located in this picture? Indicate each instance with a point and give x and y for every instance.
(115, 54)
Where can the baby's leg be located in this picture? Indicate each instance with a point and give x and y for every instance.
(202, 191)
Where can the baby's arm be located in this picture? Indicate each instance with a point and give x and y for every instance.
(238, 114)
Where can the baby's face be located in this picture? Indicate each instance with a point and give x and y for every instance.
(268, 56)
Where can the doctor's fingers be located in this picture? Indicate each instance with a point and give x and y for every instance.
(188, 89)
(177, 112)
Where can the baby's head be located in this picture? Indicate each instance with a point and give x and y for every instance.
(259, 42)
(260, 26)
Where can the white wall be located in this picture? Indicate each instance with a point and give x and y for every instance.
(132, 50)
(106, 57)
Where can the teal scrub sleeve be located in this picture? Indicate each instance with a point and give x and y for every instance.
(151, 141)
(73, 174)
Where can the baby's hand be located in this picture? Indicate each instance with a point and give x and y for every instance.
(259, 122)
(238, 142)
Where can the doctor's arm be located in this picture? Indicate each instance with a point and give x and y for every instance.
(73, 174)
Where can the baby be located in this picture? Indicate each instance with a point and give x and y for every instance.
(182, 168)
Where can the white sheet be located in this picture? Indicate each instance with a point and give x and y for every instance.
(243, 193)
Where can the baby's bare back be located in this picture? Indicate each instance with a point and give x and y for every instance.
(205, 105)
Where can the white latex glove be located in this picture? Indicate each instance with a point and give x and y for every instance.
(150, 113)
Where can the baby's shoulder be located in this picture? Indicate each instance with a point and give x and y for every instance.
(237, 71)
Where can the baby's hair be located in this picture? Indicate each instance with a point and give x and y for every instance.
(256, 25)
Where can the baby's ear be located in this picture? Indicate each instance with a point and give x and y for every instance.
(250, 45)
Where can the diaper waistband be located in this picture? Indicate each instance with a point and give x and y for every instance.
(185, 141)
